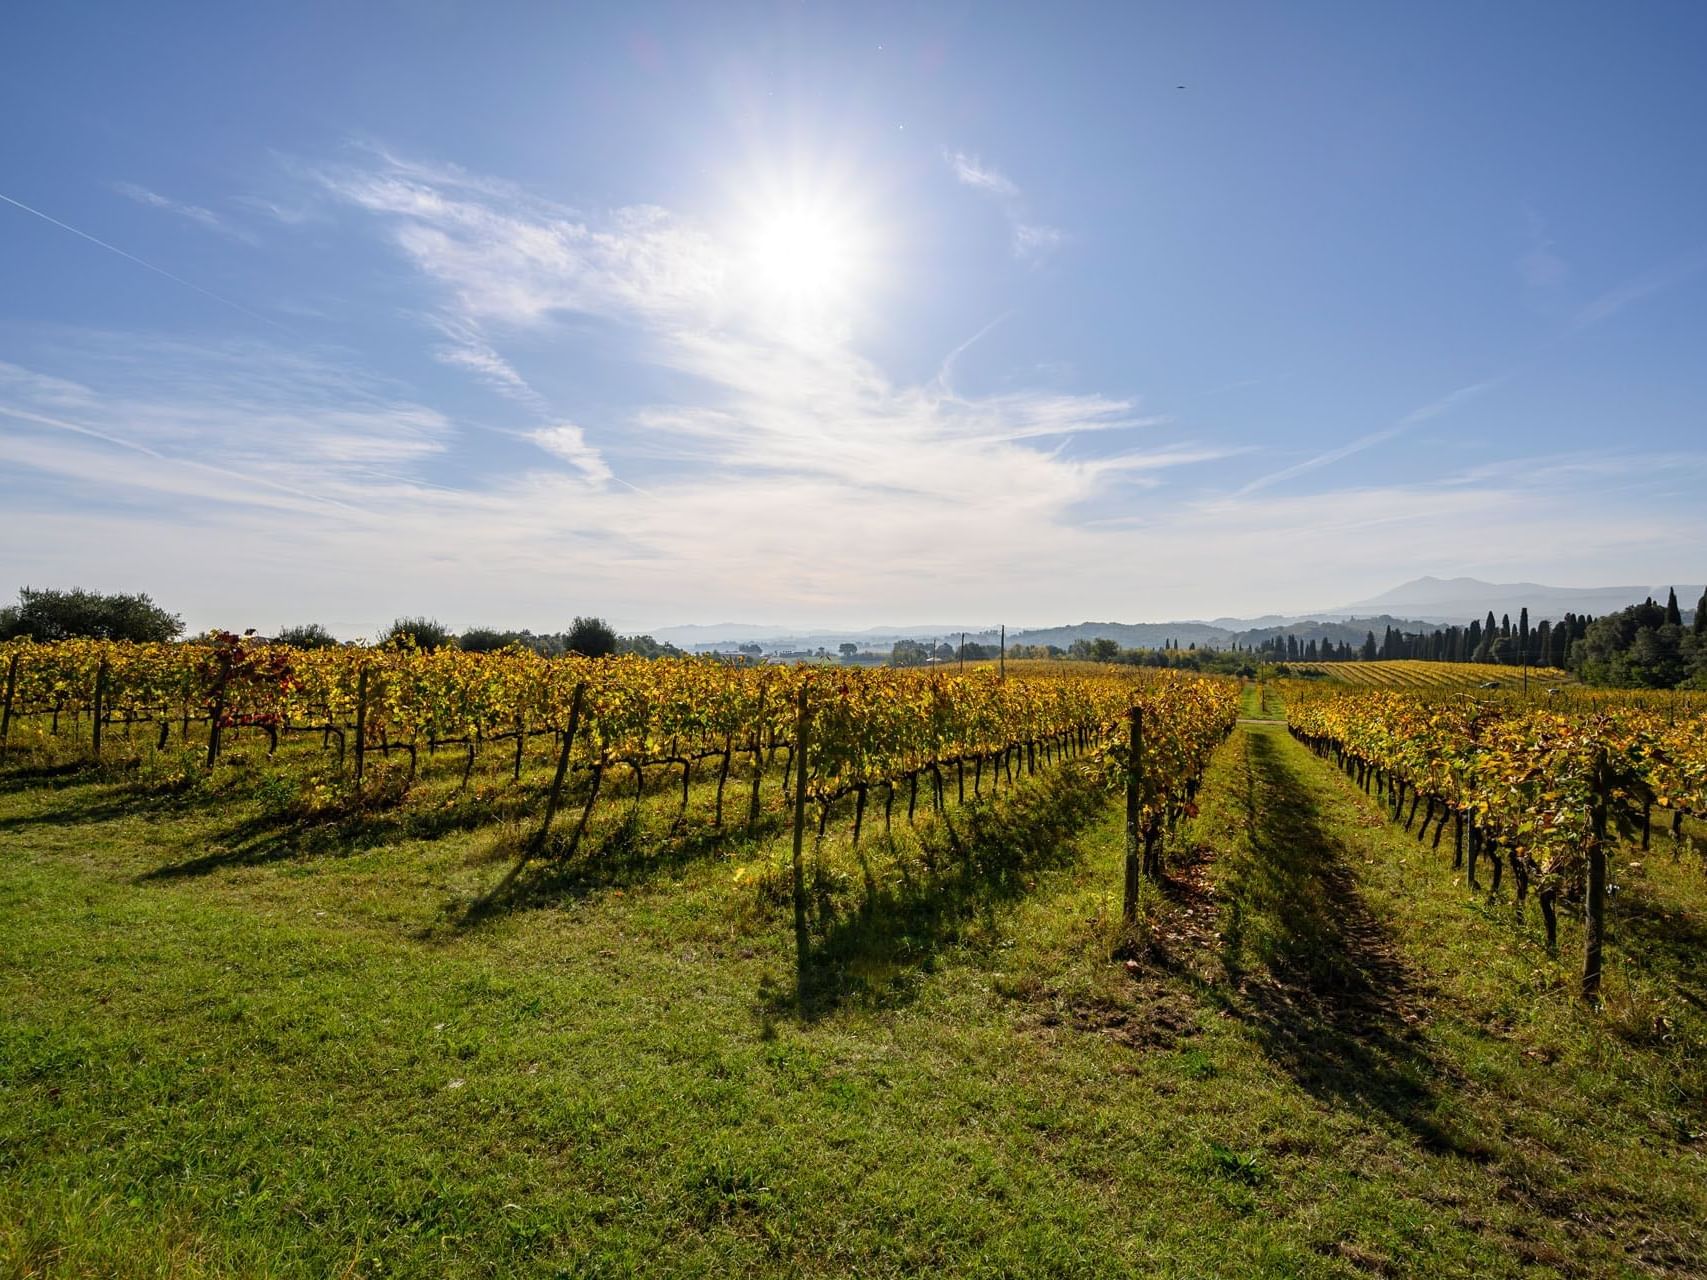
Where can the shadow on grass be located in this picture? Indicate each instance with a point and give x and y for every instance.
(610, 857)
(1662, 938)
(1314, 974)
(26, 777)
(889, 933)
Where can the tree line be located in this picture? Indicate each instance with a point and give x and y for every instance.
(46, 615)
(1646, 646)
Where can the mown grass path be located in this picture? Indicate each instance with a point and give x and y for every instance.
(227, 1048)
(1373, 980)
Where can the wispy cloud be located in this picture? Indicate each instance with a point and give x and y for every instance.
(1030, 241)
(204, 218)
(569, 442)
(239, 482)
(786, 473)
(1034, 241)
(1647, 285)
(974, 173)
(1540, 267)
(465, 347)
(1434, 409)
(783, 468)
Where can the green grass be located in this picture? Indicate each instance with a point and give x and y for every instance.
(242, 1037)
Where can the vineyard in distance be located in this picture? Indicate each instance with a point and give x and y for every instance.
(392, 960)
(1416, 673)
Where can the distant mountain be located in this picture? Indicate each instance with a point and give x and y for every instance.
(1462, 600)
(1223, 633)
(1420, 605)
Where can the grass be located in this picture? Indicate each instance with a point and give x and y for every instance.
(239, 1036)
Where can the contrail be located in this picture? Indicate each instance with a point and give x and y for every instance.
(159, 271)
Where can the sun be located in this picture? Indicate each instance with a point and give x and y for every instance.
(804, 257)
(806, 245)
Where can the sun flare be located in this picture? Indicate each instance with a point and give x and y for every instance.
(805, 258)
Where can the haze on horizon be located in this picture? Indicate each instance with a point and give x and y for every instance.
(836, 316)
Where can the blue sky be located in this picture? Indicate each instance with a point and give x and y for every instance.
(843, 315)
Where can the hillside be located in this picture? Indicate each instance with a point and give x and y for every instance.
(1422, 604)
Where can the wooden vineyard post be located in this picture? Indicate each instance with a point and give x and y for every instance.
(1594, 897)
(801, 731)
(1135, 745)
(361, 726)
(552, 800)
(6, 709)
(218, 709)
(100, 707)
(758, 765)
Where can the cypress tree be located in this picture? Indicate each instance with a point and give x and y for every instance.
(1523, 632)
(1490, 633)
(1674, 616)
(1701, 614)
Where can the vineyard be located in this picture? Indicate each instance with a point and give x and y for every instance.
(1540, 789)
(498, 964)
(839, 734)
(1414, 673)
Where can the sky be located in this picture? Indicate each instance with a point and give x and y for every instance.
(838, 315)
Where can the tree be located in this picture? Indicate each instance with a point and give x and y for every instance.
(647, 647)
(847, 649)
(1701, 614)
(309, 635)
(908, 653)
(486, 639)
(1523, 633)
(1635, 647)
(1368, 654)
(423, 633)
(1674, 616)
(591, 638)
(1490, 632)
(62, 615)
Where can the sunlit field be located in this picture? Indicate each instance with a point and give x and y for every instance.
(1416, 674)
(257, 1023)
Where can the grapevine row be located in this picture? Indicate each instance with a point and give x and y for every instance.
(1538, 786)
(870, 727)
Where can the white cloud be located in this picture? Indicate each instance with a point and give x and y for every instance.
(205, 218)
(1642, 287)
(786, 474)
(466, 348)
(569, 442)
(1030, 241)
(974, 173)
